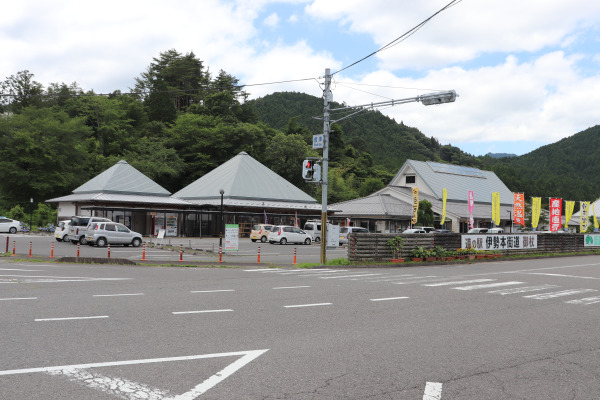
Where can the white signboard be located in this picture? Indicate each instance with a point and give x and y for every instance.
(499, 242)
(318, 141)
(232, 233)
(591, 240)
(333, 236)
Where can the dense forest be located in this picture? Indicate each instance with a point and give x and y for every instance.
(180, 121)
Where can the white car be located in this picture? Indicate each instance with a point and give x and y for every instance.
(346, 230)
(61, 233)
(412, 231)
(283, 234)
(9, 225)
(478, 230)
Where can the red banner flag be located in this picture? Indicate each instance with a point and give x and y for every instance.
(519, 209)
(555, 214)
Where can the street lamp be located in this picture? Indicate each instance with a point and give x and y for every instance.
(510, 219)
(221, 224)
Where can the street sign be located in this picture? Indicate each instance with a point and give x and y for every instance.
(317, 141)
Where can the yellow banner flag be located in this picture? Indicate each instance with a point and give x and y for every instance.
(596, 226)
(415, 193)
(496, 208)
(584, 216)
(569, 207)
(536, 208)
(444, 197)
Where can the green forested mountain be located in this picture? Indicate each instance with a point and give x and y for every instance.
(180, 122)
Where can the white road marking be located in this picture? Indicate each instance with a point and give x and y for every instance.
(417, 279)
(308, 305)
(544, 296)
(290, 287)
(488, 285)
(20, 298)
(124, 392)
(346, 276)
(116, 295)
(524, 289)
(586, 301)
(212, 291)
(390, 298)
(562, 275)
(258, 270)
(201, 311)
(458, 282)
(70, 318)
(22, 270)
(433, 391)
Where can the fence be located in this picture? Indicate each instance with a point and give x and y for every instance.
(374, 247)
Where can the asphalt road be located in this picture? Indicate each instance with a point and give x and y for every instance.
(495, 330)
(205, 250)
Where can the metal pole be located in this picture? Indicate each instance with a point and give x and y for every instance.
(221, 223)
(326, 100)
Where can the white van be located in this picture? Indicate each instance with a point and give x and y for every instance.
(313, 228)
(62, 231)
(78, 227)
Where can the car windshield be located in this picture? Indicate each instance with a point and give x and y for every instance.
(343, 230)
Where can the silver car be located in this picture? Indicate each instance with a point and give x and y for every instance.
(103, 233)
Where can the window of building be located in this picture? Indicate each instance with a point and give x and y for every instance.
(411, 179)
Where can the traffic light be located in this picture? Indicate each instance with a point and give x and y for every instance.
(316, 177)
(308, 170)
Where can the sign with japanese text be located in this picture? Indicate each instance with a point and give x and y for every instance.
(519, 209)
(232, 233)
(536, 209)
(471, 206)
(591, 240)
(499, 242)
(569, 207)
(317, 141)
(594, 214)
(444, 197)
(496, 208)
(585, 215)
(555, 214)
(415, 194)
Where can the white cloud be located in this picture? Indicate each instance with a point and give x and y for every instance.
(272, 20)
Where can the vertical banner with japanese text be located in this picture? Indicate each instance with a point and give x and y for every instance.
(444, 197)
(536, 209)
(496, 208)
(471, 206)
(595, 219)
(415, 194)
(569, 207)
(584, 214)
(555, 214)
(519, 209)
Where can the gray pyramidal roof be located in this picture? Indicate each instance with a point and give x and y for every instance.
(242, 177)
(122, 178)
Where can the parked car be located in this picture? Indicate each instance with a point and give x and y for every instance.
(260, 232)
(61, 233)
(427, 229)
(78, 227)
(346, 230)
(9, 225)
(413, 230)
(103, 233)
(478, 230)
(496, 230)
(283, 234)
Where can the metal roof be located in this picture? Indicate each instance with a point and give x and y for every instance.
(242, 177)
(377, 204)
(457, 180)
(122, 178)
(259, 204)
(120, 198)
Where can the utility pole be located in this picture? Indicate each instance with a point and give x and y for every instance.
(327, 98)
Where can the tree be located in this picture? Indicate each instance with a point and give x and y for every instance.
(425, 214)
(20, 91)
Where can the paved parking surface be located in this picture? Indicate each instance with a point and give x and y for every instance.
(500, 330)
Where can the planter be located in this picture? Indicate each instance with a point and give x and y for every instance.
(471, 256)
(479, 256)
(498, 255)
(460, 257)
(490, 256)
(449, 258)
(430, 258)
(417, 259)
(396, 260)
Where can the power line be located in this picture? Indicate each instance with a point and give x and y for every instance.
(403, 36)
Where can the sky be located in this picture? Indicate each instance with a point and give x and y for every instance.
(527, 72)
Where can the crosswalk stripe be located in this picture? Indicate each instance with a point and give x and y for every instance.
(346, 276)
(458, 282)
(523, 289)
(544, 296)
(487, 285)
(586, 301)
